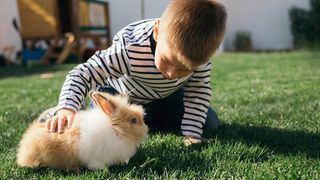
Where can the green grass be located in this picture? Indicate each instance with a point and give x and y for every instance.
(269, 105)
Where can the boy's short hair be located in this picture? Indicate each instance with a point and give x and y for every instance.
(195, 29)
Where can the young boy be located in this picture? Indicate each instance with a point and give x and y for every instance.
(162, 64)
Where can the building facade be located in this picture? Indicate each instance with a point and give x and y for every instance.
(266, 20)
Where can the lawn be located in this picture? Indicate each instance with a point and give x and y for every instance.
(269, 105)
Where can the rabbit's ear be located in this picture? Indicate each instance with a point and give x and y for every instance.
(103, 103)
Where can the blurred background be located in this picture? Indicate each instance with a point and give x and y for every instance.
(61, 31)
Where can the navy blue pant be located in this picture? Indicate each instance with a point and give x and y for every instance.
(166, 114)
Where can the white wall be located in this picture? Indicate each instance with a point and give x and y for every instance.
(154, 8)
(267, 20)
(8, 35)
(124, 12)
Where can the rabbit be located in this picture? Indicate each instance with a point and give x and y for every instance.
(106, 135)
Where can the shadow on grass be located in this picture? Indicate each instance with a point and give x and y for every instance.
(162, 157)
(286, 142)
(20, 71)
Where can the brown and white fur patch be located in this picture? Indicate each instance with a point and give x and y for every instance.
(103, 136)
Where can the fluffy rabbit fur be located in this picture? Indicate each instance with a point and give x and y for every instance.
(104, 136)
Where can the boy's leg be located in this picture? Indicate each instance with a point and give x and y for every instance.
(167, 113)
(212, 121)
(160, 114)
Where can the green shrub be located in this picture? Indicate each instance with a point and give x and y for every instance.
(242, 41)
(305, 25)
(315, 16)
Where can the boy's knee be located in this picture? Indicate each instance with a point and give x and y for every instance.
(212, 121)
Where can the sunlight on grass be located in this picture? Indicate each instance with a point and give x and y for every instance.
(268, 104)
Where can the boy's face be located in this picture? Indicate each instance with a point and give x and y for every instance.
(166, 59)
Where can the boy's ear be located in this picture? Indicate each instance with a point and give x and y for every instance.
(103, 103)
(156, 29)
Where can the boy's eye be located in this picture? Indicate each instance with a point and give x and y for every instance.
(133, 121)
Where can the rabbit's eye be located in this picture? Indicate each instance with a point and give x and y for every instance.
(133, 121)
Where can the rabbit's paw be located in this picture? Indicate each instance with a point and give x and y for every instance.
(29, 163)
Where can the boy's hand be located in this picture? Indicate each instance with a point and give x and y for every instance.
(58, 122)
(189, 140)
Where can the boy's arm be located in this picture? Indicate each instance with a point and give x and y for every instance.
(101, 67)
(197, 93)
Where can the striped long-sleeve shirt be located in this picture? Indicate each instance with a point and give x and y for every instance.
(128, 66)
